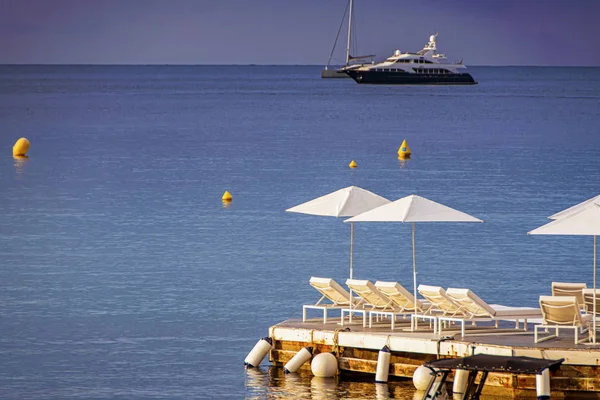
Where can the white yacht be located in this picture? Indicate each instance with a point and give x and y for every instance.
(424, 67)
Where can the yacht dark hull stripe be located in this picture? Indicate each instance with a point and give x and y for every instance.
(405, 78)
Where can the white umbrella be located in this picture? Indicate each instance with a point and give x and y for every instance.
(586, 222)
(413, 209)
(346, 202)
(575, 208)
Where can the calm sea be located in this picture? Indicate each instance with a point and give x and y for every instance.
(123, 276)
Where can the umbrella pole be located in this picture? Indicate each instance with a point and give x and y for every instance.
(351, 245)
(594, 307)
(414, 267)
(351, 251)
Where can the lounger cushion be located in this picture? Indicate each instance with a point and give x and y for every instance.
(505, 311)
(366, 290)
(400, 296)
(390, 287)
(569, 289)
(440, 300)
(477, 306)
(331, 289)
(470, 301)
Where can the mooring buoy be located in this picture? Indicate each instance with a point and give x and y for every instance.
(20, 148)
(421, 378)
(324, 365)
(404, 151)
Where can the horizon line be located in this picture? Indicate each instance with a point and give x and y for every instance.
(270, 65)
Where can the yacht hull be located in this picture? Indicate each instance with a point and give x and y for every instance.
(333, 73)
(405, 78)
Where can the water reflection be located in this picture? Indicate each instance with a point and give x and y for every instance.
(20, 162)
(382, 391)
(256, 383)
(275, 384)
(296, 386)
(324, 388)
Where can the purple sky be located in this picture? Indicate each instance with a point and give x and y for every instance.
(482, 32)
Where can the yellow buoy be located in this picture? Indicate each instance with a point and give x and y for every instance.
(352, 164)
(404, 150)
(20, 148)
(226, 197)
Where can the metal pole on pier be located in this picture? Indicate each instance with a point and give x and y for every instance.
(594, 306)
(414, 266)
(351, 251)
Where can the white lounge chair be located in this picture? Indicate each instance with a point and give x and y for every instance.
(588, 301)
(400, 297)
(569, 289)
(562, 312)
(371, 299)
(402, 302)
(332, 291)
(442, 305)
(476, 309)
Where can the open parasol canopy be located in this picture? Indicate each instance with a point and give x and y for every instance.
(584, 221)
(346, 202)
(413, 209)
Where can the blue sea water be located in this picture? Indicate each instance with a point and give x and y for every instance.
(122, 274)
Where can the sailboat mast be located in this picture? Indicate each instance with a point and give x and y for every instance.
(349, 32)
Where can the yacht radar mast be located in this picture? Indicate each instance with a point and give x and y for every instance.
(431, 45)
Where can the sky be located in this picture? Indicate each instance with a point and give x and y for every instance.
(481, 32)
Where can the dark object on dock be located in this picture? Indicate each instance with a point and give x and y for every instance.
(484, 363)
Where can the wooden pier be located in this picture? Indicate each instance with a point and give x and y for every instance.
(357, 348)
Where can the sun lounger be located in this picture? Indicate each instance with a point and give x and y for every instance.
(588, 301)
(332, 291)
(561, 312)
(475, 309)
(569, 289)
(442, 305)
(402, 302)
(371, 299)
(401, 298)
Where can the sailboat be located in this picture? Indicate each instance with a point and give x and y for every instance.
(351, 62)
